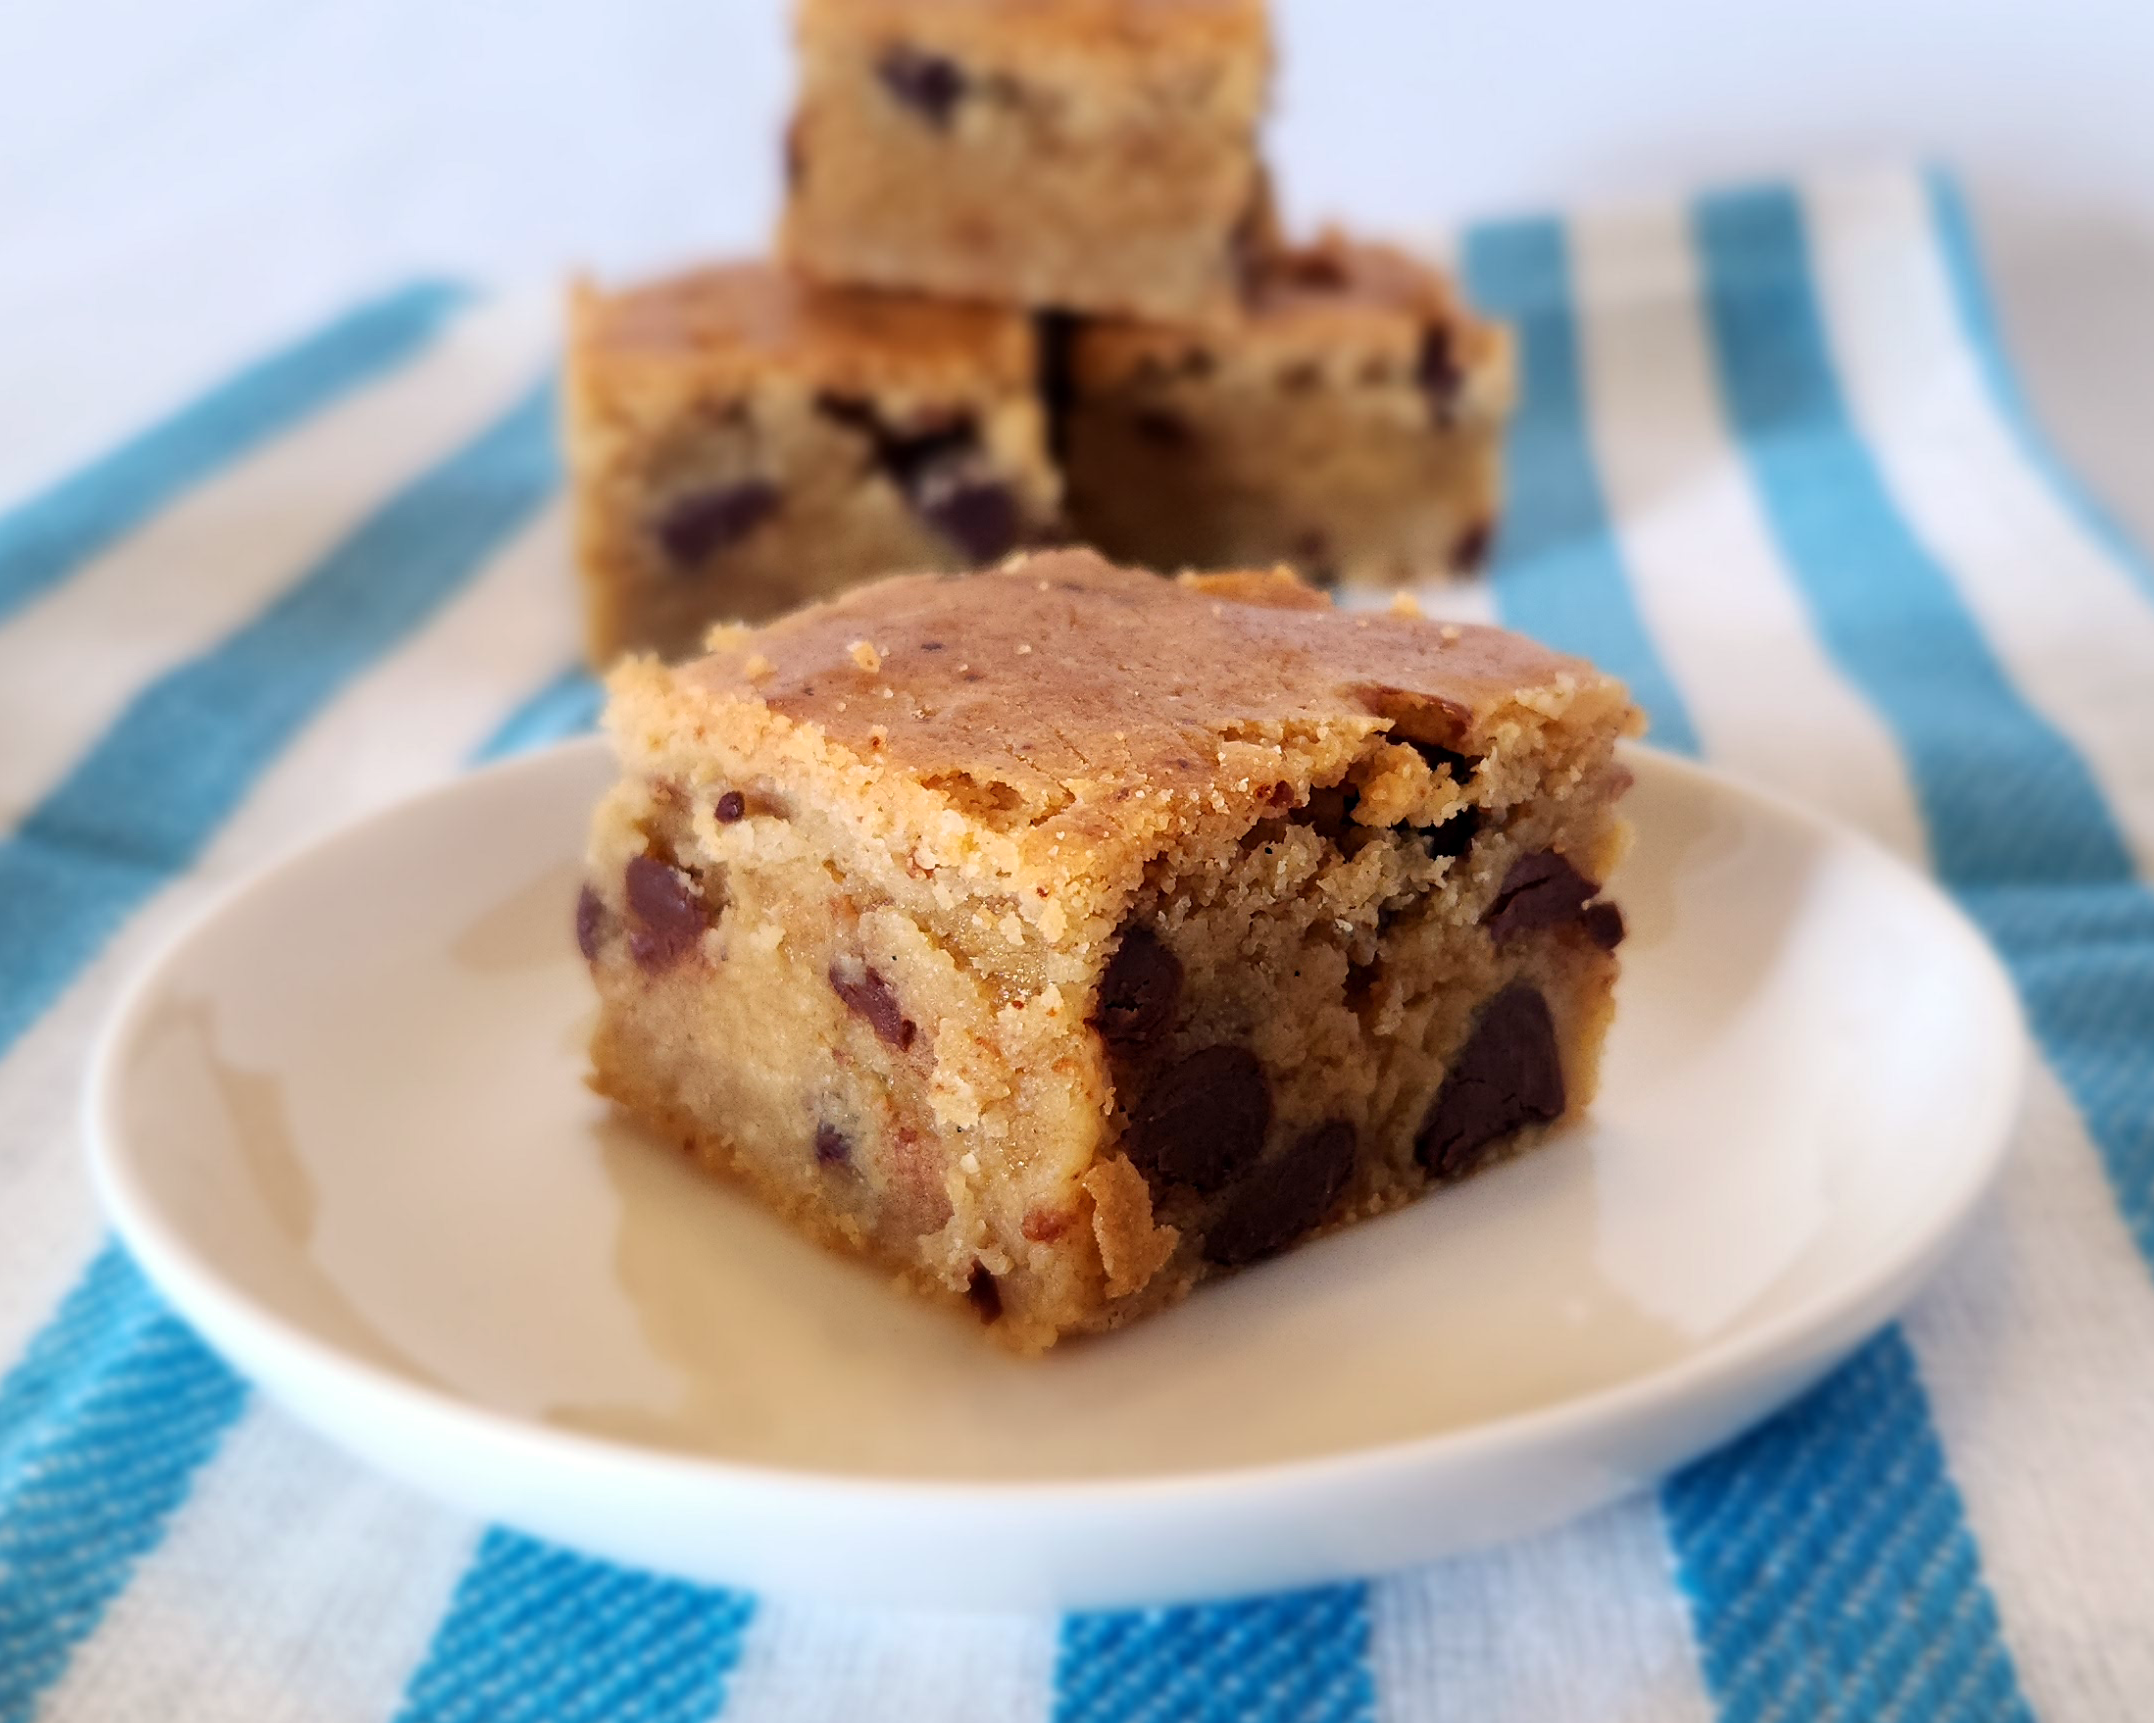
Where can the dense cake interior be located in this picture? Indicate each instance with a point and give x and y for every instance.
(1063, 1054)
(1091, 157)
(1349, 421)
(744, 442)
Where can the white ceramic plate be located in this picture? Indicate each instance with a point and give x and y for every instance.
(341, 1124)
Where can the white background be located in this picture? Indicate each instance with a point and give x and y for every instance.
(181, 183)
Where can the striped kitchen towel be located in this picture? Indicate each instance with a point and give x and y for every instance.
(1770, 466)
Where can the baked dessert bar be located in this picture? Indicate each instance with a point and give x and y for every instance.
(740, 442)
(1091, 155)
(1061, 936)
(1349, 422)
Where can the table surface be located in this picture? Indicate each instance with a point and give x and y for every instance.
(181, 185)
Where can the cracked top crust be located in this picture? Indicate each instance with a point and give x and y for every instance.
(1048, 729)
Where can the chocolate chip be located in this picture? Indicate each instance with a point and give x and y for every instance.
(590, 923)
(977, 515)
(922, 81)
(1284, 1197)
(1203, 1119)
(1603, 923)
(703, 521)
(1300, 377)
(667, 914)
(1162, 429)
(983, 1294)
(1506, 1076)
(1541, 890)
(731, 806)
(870, 997)
(1455, 836)
(1056, 332)
(1437, 371)
(833, 1148)
(1471, 551)
(1461, 766)
(1139, 991)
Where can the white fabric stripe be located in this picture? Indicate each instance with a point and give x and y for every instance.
(2020, 1337)
(1707, 576)
(71, 661)
(411, 720)
(1584, 1622)
(2035, 1343)
(807, 1664)
(2075, 631)
(2025, 1337)
(293, 1587)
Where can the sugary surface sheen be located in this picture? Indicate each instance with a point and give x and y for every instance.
(741, 441)
(1089, 156)
(1060, 936)
(1349, 420)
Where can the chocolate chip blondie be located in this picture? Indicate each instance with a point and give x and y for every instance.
(1094, 155)
(740, 441)
(1062, 936)
(1350, 422)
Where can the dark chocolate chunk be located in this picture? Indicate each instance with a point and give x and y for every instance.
(1541, 890)
(731, 806)
(1508, 1075)
(667, 914)
(1462, 766)
(983, 1294)
(1283, 1197)
(1603, 923)
(1160, 428)
(977, 515)
(1057, 337)
(1455, 836)
(1437, 371)
(870, 997)
(833, 1148)
(1139, 992)
(1471, 551)
(590, 923)
(1203, 1120)
(927, 83)
(702, 521)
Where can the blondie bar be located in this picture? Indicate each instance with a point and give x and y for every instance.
(1094, 155)
(1350, 421)
(739, 442)
(1064, 935)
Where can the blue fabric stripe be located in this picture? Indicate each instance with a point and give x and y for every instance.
(1829, 1575)
(1954, 229)
(1829, 1441)
(48, 537)
(2019, 828)
(1298, 1658)
(103, 1426)
(1890, 620)
(536, 1635)
(565, 705)
(137, 809)
(114, 1407)
(1557, 571)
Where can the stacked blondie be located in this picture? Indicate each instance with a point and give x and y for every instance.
(1030, 291)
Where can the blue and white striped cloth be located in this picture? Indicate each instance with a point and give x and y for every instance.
(1770, 466)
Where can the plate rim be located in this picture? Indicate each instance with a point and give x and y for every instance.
(1815, 1333)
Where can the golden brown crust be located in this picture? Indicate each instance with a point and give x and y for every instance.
(1107, 28)
(741, 320)
(1372, 302)
(1060, 671)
